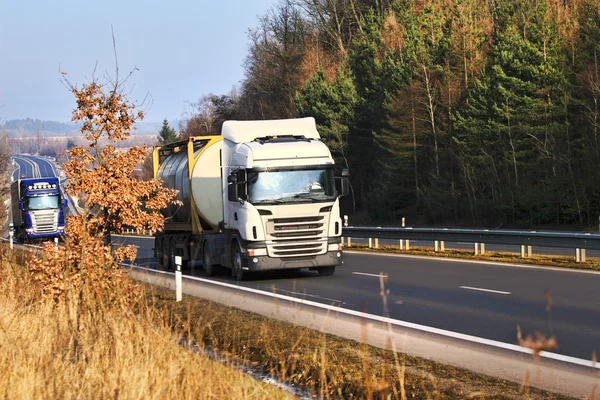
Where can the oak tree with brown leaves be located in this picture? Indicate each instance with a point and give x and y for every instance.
(86, 268)
(114, 198)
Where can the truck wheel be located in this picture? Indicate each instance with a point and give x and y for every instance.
(236, 262)
(326, 271)
(160, 254)
(207, 264)
(171, 266)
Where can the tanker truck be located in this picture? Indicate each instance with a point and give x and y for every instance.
(262, 196)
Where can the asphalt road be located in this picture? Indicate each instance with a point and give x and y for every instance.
(480, 299)
(33, 167)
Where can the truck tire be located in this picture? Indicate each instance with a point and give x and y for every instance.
(326, 271)
(160, 254)
(171, 265)
(207, 264)
(237, 262)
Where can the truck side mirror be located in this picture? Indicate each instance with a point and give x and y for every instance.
(344, 186)
(232, 187)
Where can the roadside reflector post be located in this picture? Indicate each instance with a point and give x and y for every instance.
(370, 243)
(522, 251)
(349, 242)
(436, 245)
(529, 251)
(401, 244)
(376, 243)
(476, 248)
(407, 244)
(482, 247)
(404, 221)
(442, 246)
(579, 255)
(11, 233)
(178, 280)
(56, 243)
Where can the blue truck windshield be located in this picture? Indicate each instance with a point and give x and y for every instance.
(274, 187)
(43, 202)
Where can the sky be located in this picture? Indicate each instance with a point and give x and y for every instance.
(183, 50)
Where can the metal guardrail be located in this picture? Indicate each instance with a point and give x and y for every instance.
(571, 240)
(579, 241)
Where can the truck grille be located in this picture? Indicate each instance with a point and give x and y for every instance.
(296, 237)
(44, 221)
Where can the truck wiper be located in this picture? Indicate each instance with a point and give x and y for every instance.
(305, 196)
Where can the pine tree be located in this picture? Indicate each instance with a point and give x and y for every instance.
(166, 134)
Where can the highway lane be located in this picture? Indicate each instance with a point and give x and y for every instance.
(45, 167)
(480, 299)
(26, 167)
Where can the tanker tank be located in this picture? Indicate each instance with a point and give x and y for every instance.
(201, 194)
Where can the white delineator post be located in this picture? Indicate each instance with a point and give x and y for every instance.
(178, 279)
(402, 246)
(11, 233)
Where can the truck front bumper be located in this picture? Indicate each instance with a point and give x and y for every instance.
(266, 263)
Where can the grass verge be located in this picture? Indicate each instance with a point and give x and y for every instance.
(81, 350)
(326, 365)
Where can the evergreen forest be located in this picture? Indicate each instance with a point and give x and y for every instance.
(480, 113)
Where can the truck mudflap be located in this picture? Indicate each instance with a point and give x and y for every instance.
(266, 263)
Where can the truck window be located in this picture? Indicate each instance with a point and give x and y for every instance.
(43, 202)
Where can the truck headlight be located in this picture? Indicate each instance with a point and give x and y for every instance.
(334, 247)
(257, 252)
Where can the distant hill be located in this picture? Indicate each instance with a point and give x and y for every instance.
(29, 128)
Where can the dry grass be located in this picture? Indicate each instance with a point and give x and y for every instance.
(326, 365)
(78, 350)
(501, 257)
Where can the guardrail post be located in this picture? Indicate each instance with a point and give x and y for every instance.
(529, 251)
(370, 243)
(349, 242)
(476, 248)
(407, 244)
(436, 245)
(376, 243)
(401, 244)
(482, 247)
(442, 246)
(178, 279)
(579, 255)
(56, 243)
(523, 251)
(11, 234)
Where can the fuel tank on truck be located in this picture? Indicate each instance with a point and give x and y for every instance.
(201, 191)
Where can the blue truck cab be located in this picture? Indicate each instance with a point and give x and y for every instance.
(38, 208)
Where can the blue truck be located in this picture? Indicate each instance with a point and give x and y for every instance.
(38, 209)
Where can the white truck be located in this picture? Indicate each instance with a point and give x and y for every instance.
(262, 196)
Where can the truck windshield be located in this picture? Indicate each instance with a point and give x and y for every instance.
(275, 187)
(43, 202)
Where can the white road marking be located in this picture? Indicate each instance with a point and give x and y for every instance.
(365, 274)
(410, 325)
(483, 290)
